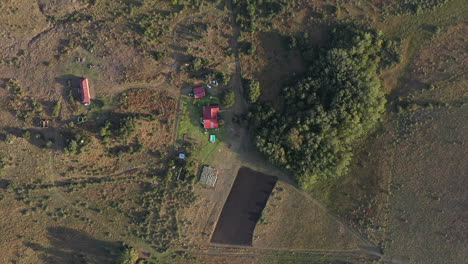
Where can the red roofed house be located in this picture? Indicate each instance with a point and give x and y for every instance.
(199, 92)
(210, 116)
(84, 92)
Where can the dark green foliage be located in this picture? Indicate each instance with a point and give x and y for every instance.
(246, 48)
(411, 6)
(2, 161)
(390, 53)
(27, 134)
(120, 127)
(292, 42)
(326, 111)
(253, 90)
(36, 106)
(249, 12)
(56, 108)
(221, 77)
(13, 86)
(74, 143)
(195, 66)
(130, 149)
(157, 55)
(228, 98)
(74, 17)
(129, 256)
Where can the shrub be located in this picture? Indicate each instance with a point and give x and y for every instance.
(13, 86)
(128, 256)
(228, 99)
(253, 90)
(27, 134)
(56, 108)
(157, 55)
(75, 143)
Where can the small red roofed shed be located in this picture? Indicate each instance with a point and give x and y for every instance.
(210, 116)
(84, 92)
(199, 92)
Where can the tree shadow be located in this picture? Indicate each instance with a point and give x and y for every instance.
(73, 246)
(70, 84)
(43, 138)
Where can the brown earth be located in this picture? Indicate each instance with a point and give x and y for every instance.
(243, 207)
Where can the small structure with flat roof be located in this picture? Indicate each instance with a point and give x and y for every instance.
(208, 176)
(199, 92)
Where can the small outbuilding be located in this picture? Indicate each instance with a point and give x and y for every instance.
(209, 176)
(84, 92)
(181, 155)
(199, 92)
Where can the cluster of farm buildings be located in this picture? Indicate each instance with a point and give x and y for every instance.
(210, 113)
(210, 121)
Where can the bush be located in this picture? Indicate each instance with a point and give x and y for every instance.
(75, 143)
(128, 256)
(157, 55)
(228, 99)
(13, 86)
(27, 135)
(253, 90)
(56, 108)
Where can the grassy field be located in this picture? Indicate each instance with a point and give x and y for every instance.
(192, 130)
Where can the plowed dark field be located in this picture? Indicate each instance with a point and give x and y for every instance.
(243, 207)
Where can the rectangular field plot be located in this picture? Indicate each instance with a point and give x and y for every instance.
(243, 207)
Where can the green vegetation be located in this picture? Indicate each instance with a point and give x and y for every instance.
(248, 13)
(327, 110)
(191, 129)
(75, 143)
(412, 6)
(119, 128)
(253, 90)
(13, 86)
(228, 99)
(128, 256)
(56, 108)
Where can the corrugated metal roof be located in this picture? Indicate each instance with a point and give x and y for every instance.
(84, 90)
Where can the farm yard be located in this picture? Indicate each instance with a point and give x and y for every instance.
(195, 104)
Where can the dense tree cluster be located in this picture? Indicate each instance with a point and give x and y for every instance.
(334, 104)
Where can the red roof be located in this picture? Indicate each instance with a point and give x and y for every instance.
(210, 116)
(84, 91)
(199, 92)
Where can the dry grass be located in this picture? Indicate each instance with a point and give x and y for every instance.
(291, 220)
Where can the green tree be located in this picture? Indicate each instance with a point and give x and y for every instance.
(128, 256)
(228, 99)
(253, 90)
